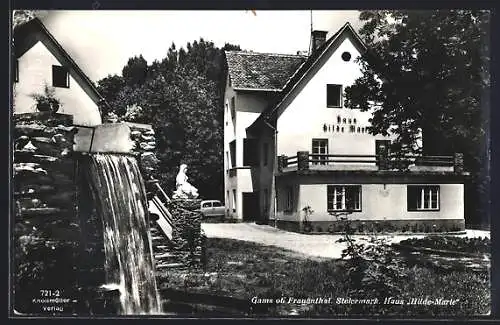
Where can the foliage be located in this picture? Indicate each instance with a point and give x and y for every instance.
(373, 269)
(451, 243)
(306, 224)
(182, 97)
(20, 17)
(47, 96)
(242, 270)
(443, 54)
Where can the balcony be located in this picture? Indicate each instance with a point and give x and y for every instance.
(305, 161)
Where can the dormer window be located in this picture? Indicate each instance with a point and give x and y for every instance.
(334, 95)
(60, 76)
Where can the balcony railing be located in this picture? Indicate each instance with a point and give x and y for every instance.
(304, 161)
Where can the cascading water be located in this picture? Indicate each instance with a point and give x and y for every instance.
(119, 192)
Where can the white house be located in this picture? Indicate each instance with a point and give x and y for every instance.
(40, 60)
(290, 143)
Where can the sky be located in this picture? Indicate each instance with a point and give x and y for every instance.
(101, 42)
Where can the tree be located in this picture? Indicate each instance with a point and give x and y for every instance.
(428, 70)
(20, 17)
(181, 97)
(135, 71)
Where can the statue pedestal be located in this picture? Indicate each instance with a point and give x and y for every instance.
(188, 204)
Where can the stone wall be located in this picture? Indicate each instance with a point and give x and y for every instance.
(46, 232)
(143, 138)
(188, 239)
(57, 235)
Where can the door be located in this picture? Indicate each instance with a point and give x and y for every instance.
(217, 208)
(250, 206)
(206, 208)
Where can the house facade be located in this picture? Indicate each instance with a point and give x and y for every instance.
(296, 158)
(39, 61)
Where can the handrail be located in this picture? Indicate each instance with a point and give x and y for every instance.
(164, 211)
(160, 189)
(409, 159)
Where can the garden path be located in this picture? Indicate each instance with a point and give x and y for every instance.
(317, 245)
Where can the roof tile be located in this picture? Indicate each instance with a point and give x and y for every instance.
(261, 71)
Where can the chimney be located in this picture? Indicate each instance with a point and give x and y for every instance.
(318, 38)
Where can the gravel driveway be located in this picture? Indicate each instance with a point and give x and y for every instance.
(323, 246)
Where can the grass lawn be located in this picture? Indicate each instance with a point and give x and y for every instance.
(243, 270)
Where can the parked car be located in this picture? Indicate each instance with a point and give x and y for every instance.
(212, 208)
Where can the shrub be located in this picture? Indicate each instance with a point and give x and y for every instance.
(468, 245)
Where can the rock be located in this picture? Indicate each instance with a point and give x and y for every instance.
(146, 147)
(21, 142)
(37, 140)
(147, 137)
(29, 147)
(30, 212)
(65, 153)
(64, 128)
(149, 132)
(58, 138)
(135, 134)
(28, 168)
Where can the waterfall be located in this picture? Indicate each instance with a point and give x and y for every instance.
(120, 196)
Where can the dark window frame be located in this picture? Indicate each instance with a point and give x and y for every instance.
(16, 70)
(344, 192)
(250, 152)
(56, 82)
(319, 140)
(232, 153)
(414, 192)
(329, 91)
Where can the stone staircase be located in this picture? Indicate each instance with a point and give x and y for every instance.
(164, 252)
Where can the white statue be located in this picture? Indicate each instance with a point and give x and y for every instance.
(183, 188)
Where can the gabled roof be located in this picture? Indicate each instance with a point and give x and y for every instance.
(26, 35)
(305, 69)
(261, 71)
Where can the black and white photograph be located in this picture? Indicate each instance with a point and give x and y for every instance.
(310, 164)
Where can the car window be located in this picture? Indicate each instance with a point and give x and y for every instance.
(206, 205)
(217, 204)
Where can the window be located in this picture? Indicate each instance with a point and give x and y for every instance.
(352, 128)
(234, 200)
(344, 197)
(346, 56)
(15, 70)
(232, 152)
(216, 204)
(60, 76)
(333, 95)
(206, 205)
(289, 199)
(265, 153)
(319, 149)
(250, 152)
(423, 198)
